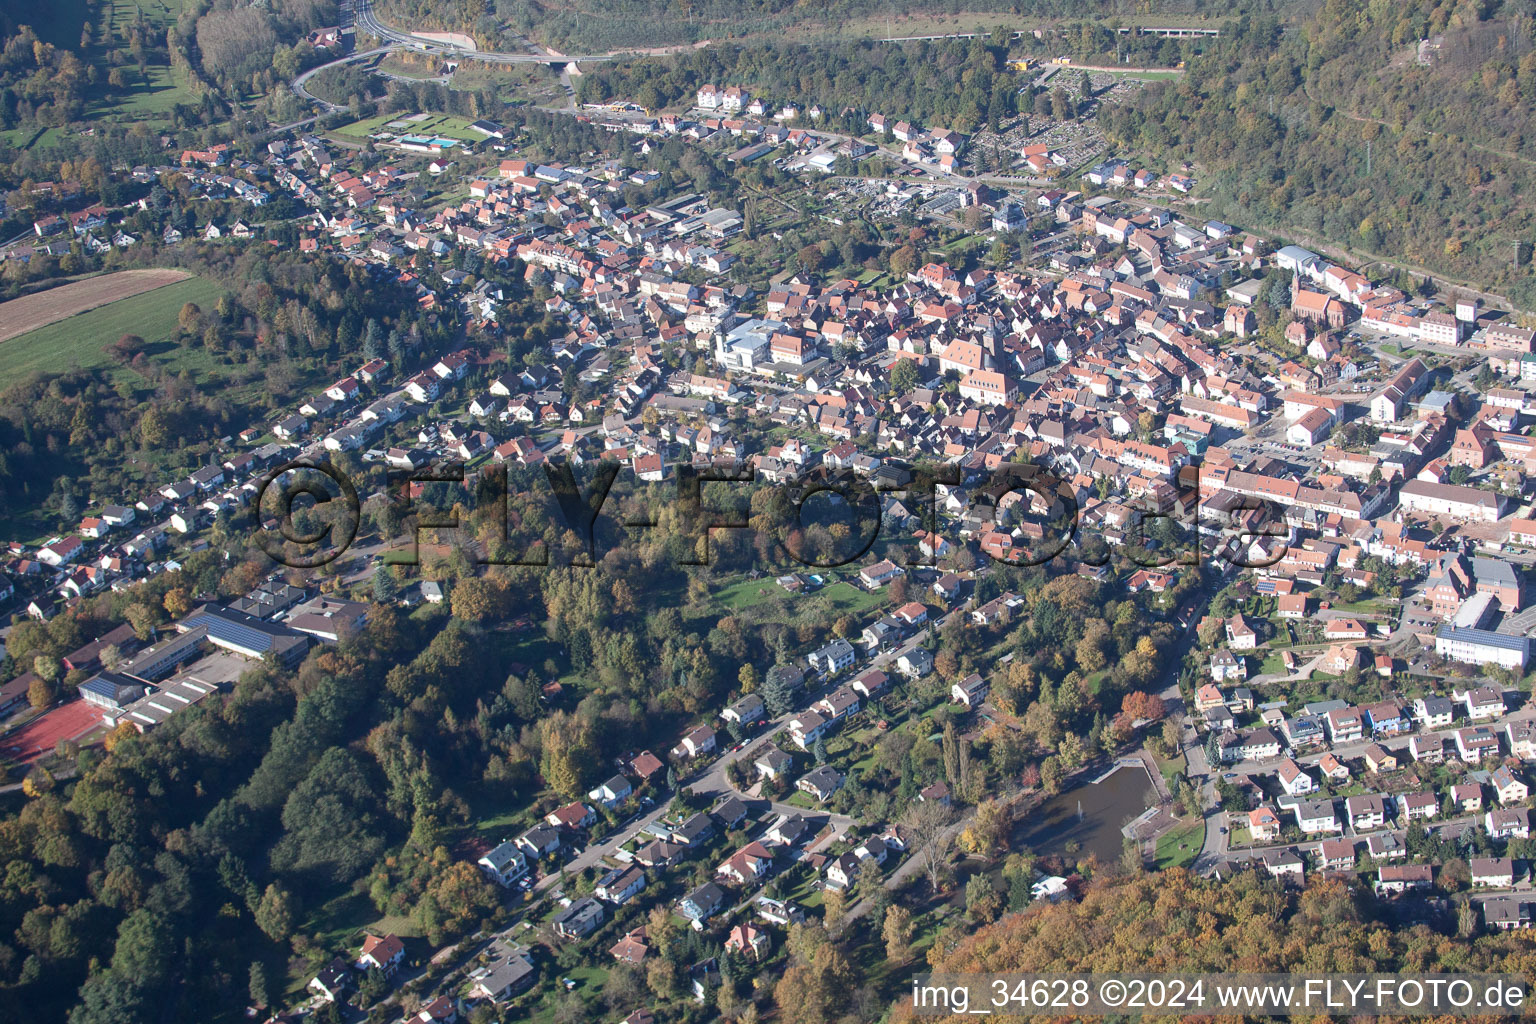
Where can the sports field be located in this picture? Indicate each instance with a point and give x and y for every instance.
(39, 736)
(78, 328)
(449, 126)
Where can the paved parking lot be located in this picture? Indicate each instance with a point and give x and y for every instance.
(218, 668)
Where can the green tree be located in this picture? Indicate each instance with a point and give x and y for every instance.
(778, 696)
(385, 589)
(275, 913)
(144, 947)
(261, 990)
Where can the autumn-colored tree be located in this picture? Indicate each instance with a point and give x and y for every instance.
(817, 991)
(187, 319)
(120, 732)
(41, 693)
(477, 599)
(177, 601)
(569, 754)
(834, 904)
(38, 782)
(1138, 705)
(661, 978)
(1052, 774)
(47, 668)
(982, 900)
(987, 834)
(897, 930)
(457, 898)
(142, 618)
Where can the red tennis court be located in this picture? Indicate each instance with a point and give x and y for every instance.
(42, 734)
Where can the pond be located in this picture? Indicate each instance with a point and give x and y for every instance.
(1091, 815)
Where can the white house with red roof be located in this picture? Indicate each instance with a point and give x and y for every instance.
(381, 952)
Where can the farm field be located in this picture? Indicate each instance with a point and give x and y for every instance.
(79, 339)
(30, 312)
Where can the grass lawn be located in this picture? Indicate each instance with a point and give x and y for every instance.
(80, 339)
(589, 981)
(748, 592)
(837, 598)
(150, 96)
(1169, 852)
(845, 597)
(1273, 663)
(1171, 766)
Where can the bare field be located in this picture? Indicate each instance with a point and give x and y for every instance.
(30, 312)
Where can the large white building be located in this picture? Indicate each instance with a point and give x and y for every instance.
(1466, 503)
(1482, 647)
(748, 345)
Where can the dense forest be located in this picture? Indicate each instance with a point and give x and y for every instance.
(955, 84)
(586, 26)
(1341, 129)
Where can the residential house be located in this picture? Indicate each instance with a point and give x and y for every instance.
(613, 792)
(1379, 758)
(1503, 913)
(822, 783)
(1507, 822)
(1315, 816)
(1498, 872)
(1293, 780)
(580, 919)
(1475, 743)
(382, 953)
(1507, 786)
(772, 763)
(747, 864)
(1336, 854)
(1284, 865)
(970, 691)
(1467, 797)
(749, 941)
(702, 903)
(1264, 824)
(1418, 806)
(620, 885)
(1366, 811)
(333, 981)
(1395, 879)
(504, 864)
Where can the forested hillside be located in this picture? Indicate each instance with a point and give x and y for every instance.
(592, 25)
(1176, 922)
(1341, 128)
(956, 84)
